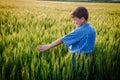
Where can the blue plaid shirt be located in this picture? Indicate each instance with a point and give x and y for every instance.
(81, 40)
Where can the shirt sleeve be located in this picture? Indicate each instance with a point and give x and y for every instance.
(73, 37)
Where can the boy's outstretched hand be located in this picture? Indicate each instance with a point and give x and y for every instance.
(48, 46)
(43, 47)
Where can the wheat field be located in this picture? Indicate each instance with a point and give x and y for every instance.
(24, 24)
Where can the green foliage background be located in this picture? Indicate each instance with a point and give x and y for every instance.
(25, 24)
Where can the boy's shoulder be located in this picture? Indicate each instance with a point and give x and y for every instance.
(84, 28)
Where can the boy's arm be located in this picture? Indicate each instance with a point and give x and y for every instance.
(48, 46)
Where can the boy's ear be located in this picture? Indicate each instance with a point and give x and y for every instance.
(82, 18)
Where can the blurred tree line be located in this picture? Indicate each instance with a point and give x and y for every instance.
(116, 1)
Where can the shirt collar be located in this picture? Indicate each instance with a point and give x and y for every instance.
(84, 24)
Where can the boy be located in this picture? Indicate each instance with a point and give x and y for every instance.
(81, 40)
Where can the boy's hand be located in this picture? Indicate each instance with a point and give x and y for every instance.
(43, 47)
(48, 46)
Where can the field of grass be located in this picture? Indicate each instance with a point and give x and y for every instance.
(25, 24)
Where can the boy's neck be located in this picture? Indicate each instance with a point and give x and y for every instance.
(83, 23)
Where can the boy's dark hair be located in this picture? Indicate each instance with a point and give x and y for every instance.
(80, 12)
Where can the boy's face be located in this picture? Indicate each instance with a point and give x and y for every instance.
(79, 21)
